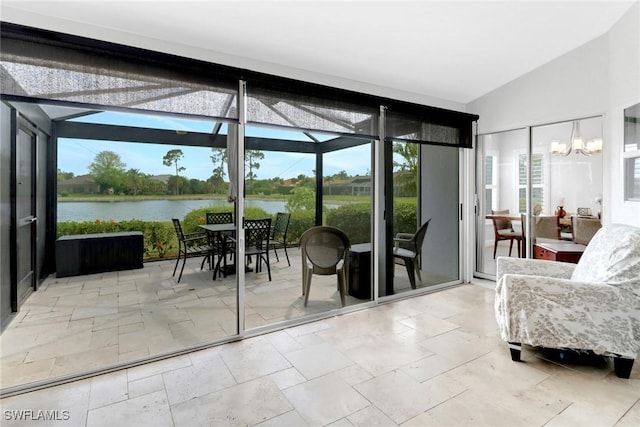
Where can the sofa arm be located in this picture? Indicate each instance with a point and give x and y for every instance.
(533, 267)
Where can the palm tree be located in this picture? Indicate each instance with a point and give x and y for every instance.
(171, 158)
(134, 180)
(406, 170)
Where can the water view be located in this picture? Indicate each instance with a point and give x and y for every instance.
(150, 210)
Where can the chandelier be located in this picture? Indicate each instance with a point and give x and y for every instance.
(576, 144)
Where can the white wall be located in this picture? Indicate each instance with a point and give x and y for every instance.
(624, 91)
(601, 77)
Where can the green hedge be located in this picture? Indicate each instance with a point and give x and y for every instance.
(405, 219)
(160, 237)
(300, 222)
(355, 220)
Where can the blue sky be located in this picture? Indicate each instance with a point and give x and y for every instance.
(75, 155)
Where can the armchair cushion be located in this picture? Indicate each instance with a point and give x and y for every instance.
(612, 257)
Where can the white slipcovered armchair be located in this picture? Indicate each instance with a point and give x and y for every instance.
(592, 306)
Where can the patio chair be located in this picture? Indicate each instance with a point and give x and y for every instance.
(219, 217)
(278, 238)
(325, 251)
(256, 236)
(408, 248)
(191, 245)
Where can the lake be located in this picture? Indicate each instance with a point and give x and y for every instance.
(153, 210)
(150, 210)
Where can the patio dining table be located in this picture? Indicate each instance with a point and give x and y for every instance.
(216, 231)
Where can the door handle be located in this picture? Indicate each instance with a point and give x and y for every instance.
(34, 219)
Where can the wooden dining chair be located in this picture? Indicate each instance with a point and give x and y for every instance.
(503, 230)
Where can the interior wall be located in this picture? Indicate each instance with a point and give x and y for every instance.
(624, 91)
(598, 78)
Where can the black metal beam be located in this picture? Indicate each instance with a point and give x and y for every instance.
(136, 134)
(340, 143)
(102, 132)
(319, 188)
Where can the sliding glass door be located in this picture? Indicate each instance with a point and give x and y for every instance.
(532, 184)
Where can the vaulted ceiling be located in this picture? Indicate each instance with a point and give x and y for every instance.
(451, 50)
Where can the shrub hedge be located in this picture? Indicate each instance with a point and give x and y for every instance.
(160, 238)
(355, 220)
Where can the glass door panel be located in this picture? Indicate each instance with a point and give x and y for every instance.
(566, 177)
(347, 205)
(424, 215)
(501, 186)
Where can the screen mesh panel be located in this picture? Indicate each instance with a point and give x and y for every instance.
(307, 111)
(407, 127)
(88, 76)
(45, 65)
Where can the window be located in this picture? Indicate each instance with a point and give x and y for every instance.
(537, 182)
(490, 184)
(632, 153)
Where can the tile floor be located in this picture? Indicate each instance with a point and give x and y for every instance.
(429, 360)
(77, 324)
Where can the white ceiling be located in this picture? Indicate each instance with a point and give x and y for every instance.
(452, 50)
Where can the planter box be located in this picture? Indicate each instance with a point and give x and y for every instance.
(98, 253)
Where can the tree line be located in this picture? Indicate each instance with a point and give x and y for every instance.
(111, 174)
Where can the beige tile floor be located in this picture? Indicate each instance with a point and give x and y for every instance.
(79, 324)
(431, 360)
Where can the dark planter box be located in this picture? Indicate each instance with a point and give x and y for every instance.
(98, 253)
(360, 271)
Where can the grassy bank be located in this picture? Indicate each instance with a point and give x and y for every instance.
(333, 199)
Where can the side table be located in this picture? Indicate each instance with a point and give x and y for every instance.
(561, 251)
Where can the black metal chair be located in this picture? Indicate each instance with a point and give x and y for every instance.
(278, 238)
(225, 242)
(325, 251)
(219, 217)
(191, 245)
(408, 248)
(256, 236)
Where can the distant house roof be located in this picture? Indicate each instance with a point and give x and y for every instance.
(360, 179)
(162, 178)
(78, 180)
